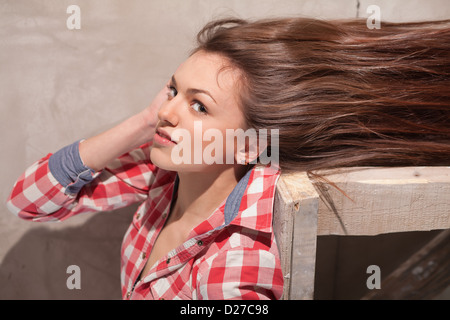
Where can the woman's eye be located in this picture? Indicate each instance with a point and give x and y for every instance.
(172, 92)
(197, 106)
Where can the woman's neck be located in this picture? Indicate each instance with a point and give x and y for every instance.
(199, 193)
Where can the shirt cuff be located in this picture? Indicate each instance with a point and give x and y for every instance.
(69, 170)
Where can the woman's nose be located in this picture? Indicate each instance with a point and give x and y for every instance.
(168, 112)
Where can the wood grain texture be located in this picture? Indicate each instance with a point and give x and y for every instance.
(384, 200)
(295, 226)
(354, 201)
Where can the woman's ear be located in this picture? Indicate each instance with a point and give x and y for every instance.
(250, 151)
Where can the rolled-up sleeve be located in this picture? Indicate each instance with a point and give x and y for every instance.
(58, 191)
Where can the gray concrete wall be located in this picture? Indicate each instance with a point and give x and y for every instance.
(59, 85)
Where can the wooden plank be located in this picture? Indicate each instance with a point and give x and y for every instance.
(383, 200)
(423, 276)
(295, 226)
(283, 224)
(376, 201)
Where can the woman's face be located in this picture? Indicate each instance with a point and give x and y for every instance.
(202, 104)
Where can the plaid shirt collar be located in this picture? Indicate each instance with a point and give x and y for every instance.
(243, 206)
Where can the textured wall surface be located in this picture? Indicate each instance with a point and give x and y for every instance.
(59, 85)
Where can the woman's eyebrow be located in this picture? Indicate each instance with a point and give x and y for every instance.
(194, 91)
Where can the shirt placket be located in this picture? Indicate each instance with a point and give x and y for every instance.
(151, 237)
(174, 260)
(143, 256)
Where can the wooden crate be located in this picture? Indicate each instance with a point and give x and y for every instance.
(363, 201)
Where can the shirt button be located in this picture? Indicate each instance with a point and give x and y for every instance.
(168, 260)
(138, 216)
(128, 294)
(143, 255)
(164, 216)
(200, 242)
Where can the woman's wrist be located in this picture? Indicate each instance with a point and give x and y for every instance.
(98, 151)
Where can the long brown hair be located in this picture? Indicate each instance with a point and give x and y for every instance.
(341, 94)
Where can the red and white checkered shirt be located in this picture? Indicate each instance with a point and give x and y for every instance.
(231, 255)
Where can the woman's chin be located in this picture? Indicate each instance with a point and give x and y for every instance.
(161, 158)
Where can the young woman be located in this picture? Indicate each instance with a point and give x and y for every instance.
(338, 94)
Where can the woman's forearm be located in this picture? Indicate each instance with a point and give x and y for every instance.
(98, 151)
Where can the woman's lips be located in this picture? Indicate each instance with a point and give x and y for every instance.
(163, 138)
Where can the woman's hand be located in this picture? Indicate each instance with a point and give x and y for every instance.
(150, 114)
(98, 151)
